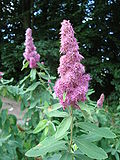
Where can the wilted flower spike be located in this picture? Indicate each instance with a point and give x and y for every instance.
(100, 101)
(30, 53)
(73, 81)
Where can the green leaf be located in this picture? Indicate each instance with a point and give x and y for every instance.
(44, 133)
(92, 137)
(118, 108)
(25, 65)
(13, 90)
(90, 149)
(103, 131)
(55, 157)
(85, 107)
(44, 76)
(6, 157)
(45, 96)
(43, 68)
(3, 81)
(52, 128)
(82, 157)
(90, 91)
(48, 145)
(56, 106)
(33, 74)
(106, 133)
(51, 77)
(4, 114)
(64, 96)
(0, 104)
(25, 78)
(117, 156)
(113, 151)
(3, 139)
(32, 87)
(66, 156)
(34, 103)
(41, 125)
(57, 113)
(63, 127)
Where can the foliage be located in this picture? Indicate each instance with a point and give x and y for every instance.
(11, 146)
(47, 129)
(86, 135)
(28, 91)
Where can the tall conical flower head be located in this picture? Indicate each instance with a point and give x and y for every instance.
(30, 53)
(73, 82)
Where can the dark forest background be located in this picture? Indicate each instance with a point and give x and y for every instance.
(97, 27)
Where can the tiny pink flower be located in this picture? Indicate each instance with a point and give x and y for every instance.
(49, 87)
(1, 74)
(42, 63)
(49, 81)
(100, 101)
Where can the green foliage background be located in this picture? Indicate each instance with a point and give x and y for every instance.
(97, 27)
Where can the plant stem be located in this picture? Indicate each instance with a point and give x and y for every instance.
(71, 128)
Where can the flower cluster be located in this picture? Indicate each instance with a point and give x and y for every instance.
(30, 53)
(73, 82)
(100, 100)
(1, 74)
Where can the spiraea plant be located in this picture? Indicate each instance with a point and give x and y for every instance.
(70, 128)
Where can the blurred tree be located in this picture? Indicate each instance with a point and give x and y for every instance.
(100, 43)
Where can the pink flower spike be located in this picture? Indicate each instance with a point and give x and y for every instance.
(100, 101)
(30, 53)
(73, 80)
